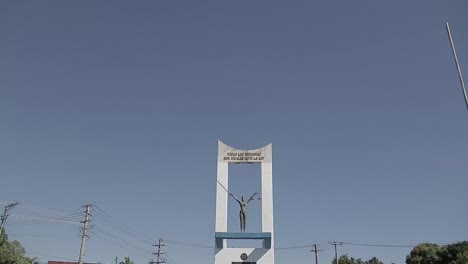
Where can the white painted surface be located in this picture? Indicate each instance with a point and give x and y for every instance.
(229, 255)
(232, 155)
(226, 155)
(267, 203)
(222, 198)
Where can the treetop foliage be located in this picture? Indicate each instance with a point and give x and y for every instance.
(11, 252)
(427, 253)
(350, 260)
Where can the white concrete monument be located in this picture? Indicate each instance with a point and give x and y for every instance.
(235, 255)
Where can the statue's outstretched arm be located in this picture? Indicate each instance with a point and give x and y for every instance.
(251, 197)
(233, 196)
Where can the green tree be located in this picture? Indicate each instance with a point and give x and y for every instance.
(434, 254)
(12, 252)
(425, 253)
(126, 261)
(454, 253)
(374, 260)
(350, 260)
(344, 260)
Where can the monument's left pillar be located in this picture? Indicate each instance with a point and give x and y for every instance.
(222, 196)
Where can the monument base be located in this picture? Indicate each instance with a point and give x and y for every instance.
(243, 255)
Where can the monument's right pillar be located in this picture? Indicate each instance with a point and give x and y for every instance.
(267, 206)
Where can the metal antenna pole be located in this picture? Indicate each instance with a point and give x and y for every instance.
(460, 76)
(4, 216)
(84, 233)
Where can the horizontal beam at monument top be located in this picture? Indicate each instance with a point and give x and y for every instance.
(242, 235)
(265, 236)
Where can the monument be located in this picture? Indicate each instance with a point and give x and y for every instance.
(245, 255)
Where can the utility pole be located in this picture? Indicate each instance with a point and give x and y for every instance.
(4, 217)
(316, 253)
(336, 252)
(84, 233)
(159, 254)
(5, 213)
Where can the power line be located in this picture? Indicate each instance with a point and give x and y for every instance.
(48, 256)
(21, 223)
(117, 237)
(46, 211)
(39, 235)
(51, 216)
(457, 64)
(326, 247)
(47, 219)
(378, 245)
(320, 247)
(121, 226)
(125, 240)
(170, 259)
(114, 260)
(122, 246)
(187, 244)
(121, 232)
(295, 247)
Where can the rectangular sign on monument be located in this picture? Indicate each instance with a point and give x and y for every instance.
(229, 154)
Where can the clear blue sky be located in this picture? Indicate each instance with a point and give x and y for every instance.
(121, 104)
